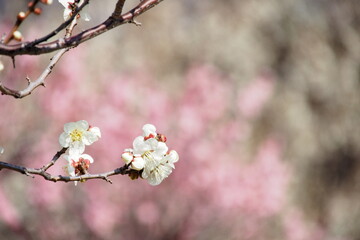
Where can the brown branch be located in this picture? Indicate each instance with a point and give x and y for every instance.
(111, 22)
(59, 178)
(53, 160)
(41, 80)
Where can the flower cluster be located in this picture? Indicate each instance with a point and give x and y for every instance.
(149, 157)
(75, 137)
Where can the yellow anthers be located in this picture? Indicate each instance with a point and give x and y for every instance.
(76, 135)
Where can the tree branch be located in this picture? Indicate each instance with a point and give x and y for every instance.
(59, 178)
(30, 49)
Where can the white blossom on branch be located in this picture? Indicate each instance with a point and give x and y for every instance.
(77, 164)
(78, 134)
(151, 150)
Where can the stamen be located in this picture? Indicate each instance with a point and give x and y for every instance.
(76, 135)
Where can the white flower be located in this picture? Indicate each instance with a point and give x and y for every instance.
(155, 171)
(77, 164)
(78, 134)
(150, 154)
(68, 10)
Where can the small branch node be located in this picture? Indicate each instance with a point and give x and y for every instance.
(133, 21)
(28, 174)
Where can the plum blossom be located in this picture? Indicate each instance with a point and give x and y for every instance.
(150, 156)
(78, 134)
(77, 164)
(68, 10)
(155, 171)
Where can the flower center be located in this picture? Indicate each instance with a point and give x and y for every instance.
(147, 155)
(76, 135)
(151, 161)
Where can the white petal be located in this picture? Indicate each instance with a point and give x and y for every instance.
(162, 148)
(82, 124)
(138, 163)
(155, 179)
(152, 142)
(160, 151)
(70, 170)
(149, 129)
(127, 157)
(140, 146)
(89, 138)
(129, 150)
(66, 157)
(95, 131)
(151, 162)
(76, 148)
(62, 140)
(145, 174)
(71, 157)
(67, 13)
(69, 127)
(65, 3)
(173, 156)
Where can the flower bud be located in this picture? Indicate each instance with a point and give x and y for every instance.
(17, 36)
(37, 11)
(138, 163)
(127, 157)
(21, 16)
(161, 137)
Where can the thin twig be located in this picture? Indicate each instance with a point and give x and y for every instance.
(31, 7)
(41, 79)
(59, 178)
(29, 49)
(53, 160)
(118, 9)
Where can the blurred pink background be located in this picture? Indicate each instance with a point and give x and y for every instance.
(259, 98)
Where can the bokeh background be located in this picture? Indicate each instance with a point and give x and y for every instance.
(261, 99)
